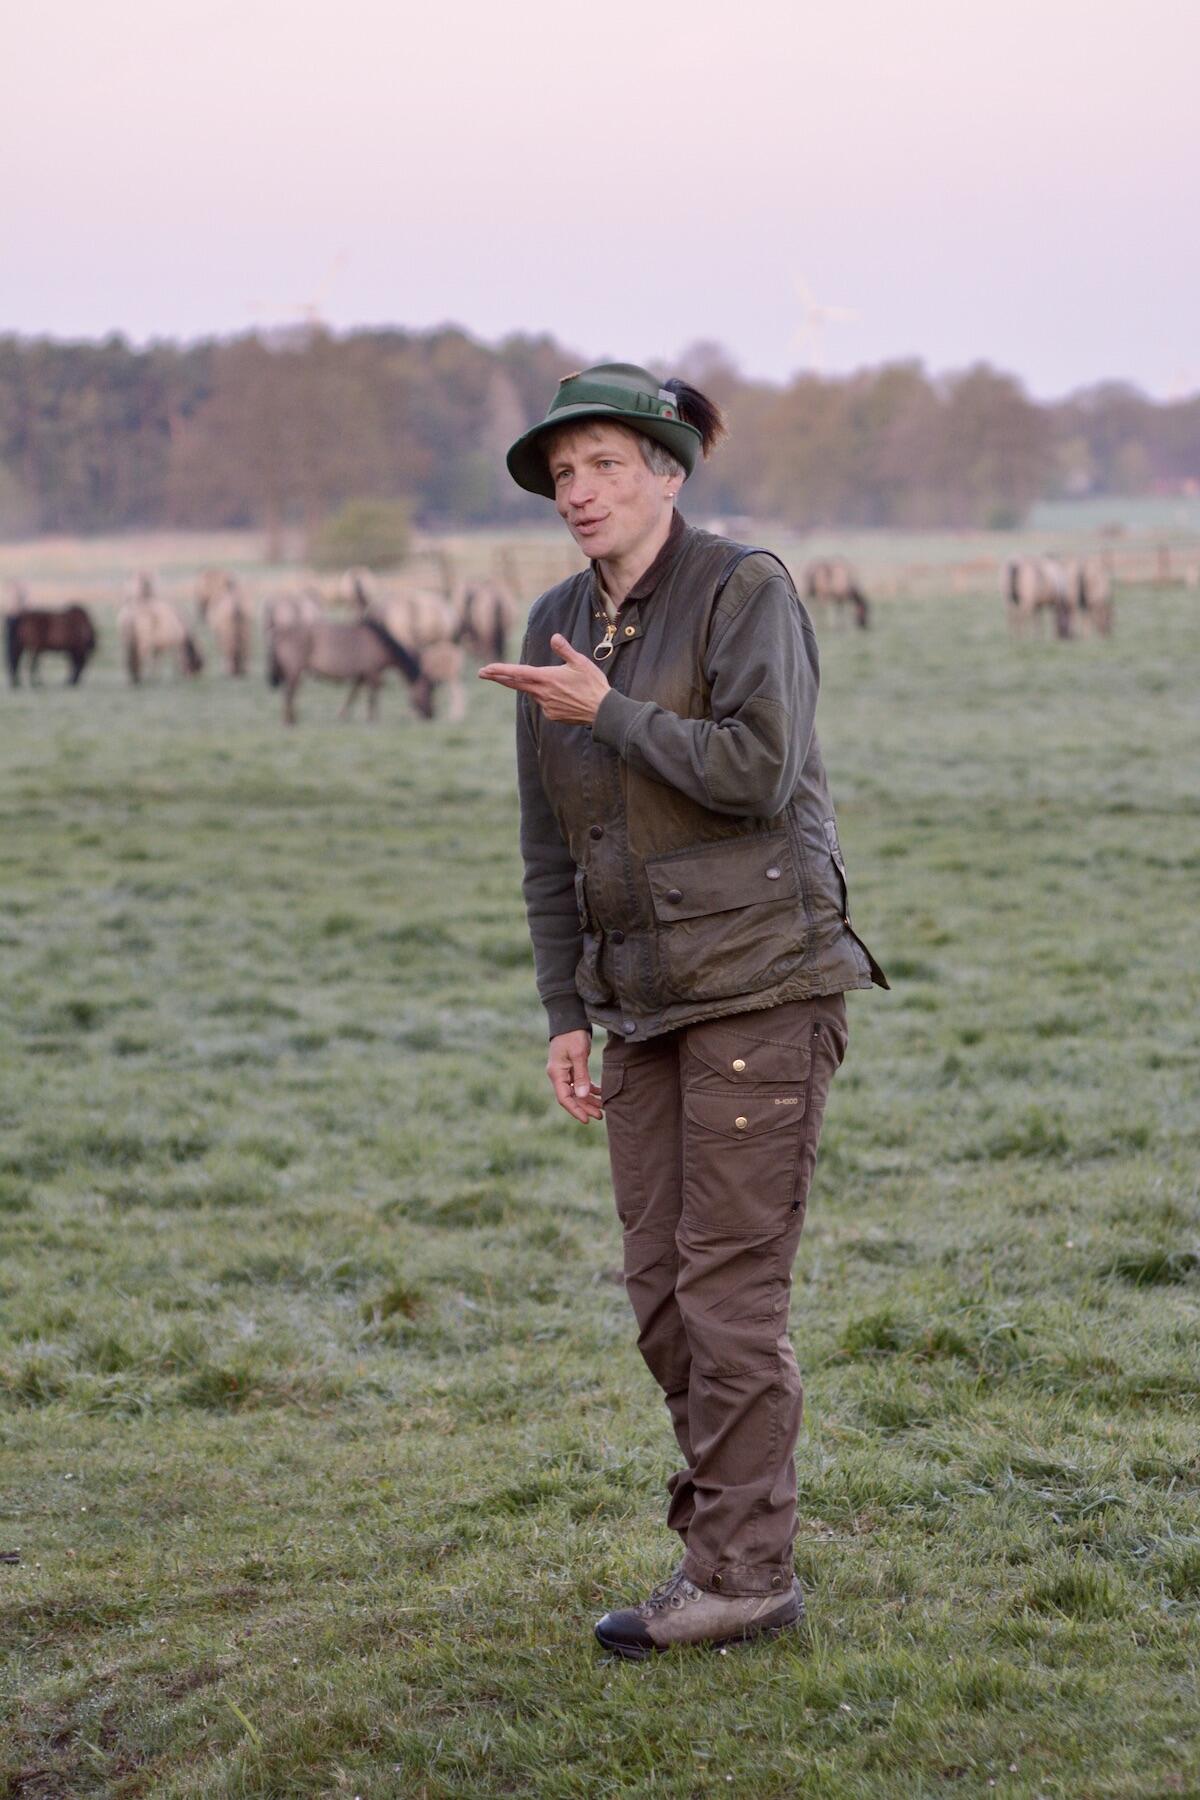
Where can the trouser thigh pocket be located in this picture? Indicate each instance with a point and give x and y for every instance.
(741, 1159)
(739, 1230)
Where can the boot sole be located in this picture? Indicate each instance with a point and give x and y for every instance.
(643, 1652)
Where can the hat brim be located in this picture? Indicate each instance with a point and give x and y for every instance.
(527, 458)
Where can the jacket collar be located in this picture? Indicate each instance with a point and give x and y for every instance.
(645, 584)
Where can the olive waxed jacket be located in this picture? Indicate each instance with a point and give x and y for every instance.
(681, 854)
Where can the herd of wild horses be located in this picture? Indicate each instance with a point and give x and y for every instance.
(426, 636)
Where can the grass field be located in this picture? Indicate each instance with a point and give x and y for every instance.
(325, 1436)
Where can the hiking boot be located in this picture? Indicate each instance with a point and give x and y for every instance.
(679, 1612)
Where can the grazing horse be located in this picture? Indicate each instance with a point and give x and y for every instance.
(417, 616)
(832, 582)
(300, 608)
(360, 653)
(1034, 585)
(68, 629)
(487, 613)
(1094, 595)
(426, 623)
(422, 621)
(227, 612)
(150, 629)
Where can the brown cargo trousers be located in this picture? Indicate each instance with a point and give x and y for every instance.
(712, 1133)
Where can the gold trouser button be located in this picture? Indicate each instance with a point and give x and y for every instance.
(739, 1063)
(741, 1124)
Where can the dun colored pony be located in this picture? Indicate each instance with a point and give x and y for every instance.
(831, 582)
(425, 623)
(415, 615)
(221, 603)
(487, 613)
(360, 654)
(151, 629)
(1093, 595)
(33, 630)
(1034, 585)
(300, 608)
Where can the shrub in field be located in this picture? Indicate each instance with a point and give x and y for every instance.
(371, 534)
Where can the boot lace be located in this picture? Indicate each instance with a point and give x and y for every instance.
(675, 1592)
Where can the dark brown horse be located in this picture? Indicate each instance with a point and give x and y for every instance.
(68, 629)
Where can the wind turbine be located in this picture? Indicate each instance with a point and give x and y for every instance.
(309, 312)
(815, 315)
(312, 311)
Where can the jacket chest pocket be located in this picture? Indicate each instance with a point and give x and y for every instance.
(728, 915)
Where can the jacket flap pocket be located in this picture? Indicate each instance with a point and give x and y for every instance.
(740, 1116)
(734, 1056)
(612, 1080)
(745, 871)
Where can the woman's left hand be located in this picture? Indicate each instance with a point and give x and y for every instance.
(570, 695)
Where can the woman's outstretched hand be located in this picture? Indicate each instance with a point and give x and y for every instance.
(569, 693)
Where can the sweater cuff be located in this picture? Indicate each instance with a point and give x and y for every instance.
(565, 1012)
(616, 717)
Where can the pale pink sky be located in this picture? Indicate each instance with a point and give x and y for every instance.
(1014, 181)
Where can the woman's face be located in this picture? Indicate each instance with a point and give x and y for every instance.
(610, 501)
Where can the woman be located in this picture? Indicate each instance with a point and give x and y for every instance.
(685, 890)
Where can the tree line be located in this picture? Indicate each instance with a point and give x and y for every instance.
(284, 427)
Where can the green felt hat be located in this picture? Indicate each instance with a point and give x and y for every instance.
(619, 392)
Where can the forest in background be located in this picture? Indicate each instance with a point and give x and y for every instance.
(268, 429)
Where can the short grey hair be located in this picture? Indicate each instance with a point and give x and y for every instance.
(658, 458)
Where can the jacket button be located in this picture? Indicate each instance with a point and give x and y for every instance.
(631, 631)
(740, 1123)
(674, 895)
(616, 937)
(596, 831)
(777, 1581)
(739, 1063)
(773, 873)
(718, 1581)
(628, 1027)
